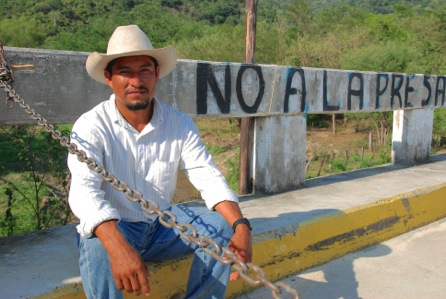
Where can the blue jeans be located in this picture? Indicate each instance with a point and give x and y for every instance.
(156, 243)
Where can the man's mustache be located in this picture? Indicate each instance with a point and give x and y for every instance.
(141, 89)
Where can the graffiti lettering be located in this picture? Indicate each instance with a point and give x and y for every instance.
(440, 90)
(397, 83)
(303, 92)
(246, 108)
(380, 91)
(205, 76)
(408, 89)
(358, 93)
(326, 105)
(426, 84)
(294, 91)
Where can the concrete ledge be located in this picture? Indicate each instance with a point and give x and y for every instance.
(293, 231)
(326, 238)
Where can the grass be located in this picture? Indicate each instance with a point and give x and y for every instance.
(325, 164)
(221, 137)
(33, 180)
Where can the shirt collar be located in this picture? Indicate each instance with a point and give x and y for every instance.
(157, 117)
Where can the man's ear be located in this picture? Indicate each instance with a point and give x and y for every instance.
(108, 78)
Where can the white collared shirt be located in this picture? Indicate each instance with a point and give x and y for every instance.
(147, 161)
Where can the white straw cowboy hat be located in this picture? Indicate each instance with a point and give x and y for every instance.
(129, 41)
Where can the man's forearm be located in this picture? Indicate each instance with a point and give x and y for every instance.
(110, 236)
(240, 242)
(129, 270)
(230, 210)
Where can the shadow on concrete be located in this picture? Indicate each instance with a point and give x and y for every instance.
(38, 262)
(437, 158)
(365, 172)
(285, 222)
(378, 171)
(352, 175)
(332, 280)
(336, 279)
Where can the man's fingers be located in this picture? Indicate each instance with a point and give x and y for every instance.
(242, 250)
(234, 276)
(139, 282)
(127, 285)
(241, 254)
(144, 280)
(135, 286)
(119, 284)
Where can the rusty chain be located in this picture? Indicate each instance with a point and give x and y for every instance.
(166, 218)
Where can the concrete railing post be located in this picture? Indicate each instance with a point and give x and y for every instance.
(412, 136)
(279, 153)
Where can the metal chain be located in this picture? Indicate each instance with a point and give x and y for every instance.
(166, 218)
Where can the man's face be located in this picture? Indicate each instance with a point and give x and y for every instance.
(133, 81)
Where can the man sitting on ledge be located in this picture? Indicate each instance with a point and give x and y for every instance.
(144, 142)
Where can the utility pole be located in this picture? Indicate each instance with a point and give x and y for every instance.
(246, 123)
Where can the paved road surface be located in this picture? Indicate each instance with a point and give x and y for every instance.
(411, 266)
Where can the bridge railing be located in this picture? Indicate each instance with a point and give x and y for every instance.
(279, 97)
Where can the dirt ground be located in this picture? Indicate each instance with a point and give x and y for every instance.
(317, 140)
(326, 139)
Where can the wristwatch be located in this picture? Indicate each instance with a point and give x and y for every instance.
(242, 221)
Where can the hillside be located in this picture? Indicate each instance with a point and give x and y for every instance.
(380, 6)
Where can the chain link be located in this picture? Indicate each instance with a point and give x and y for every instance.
(166, 218)
(5, 76)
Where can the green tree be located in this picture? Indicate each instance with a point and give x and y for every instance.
(298, 16)
(8, 221)
(22, 32)
(220, 43)
(438, 132)
(41, 191)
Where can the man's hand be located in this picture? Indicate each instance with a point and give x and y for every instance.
(128, 268)
(129, 271)
(240, 244)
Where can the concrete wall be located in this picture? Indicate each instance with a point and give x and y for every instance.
(59, 89)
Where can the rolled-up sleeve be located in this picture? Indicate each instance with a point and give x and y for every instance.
(203, 173)
(86, 197)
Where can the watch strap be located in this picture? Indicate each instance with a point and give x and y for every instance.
(242, 221)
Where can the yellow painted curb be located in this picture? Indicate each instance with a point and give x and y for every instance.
(326, 238)
(314, 242)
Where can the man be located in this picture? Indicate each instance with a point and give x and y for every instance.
(143, 142)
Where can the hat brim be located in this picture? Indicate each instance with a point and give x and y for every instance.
(97, 62)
